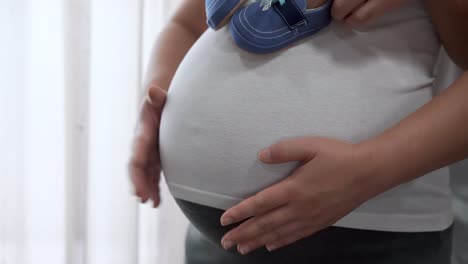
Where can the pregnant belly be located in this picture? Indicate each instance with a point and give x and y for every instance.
(220, 112)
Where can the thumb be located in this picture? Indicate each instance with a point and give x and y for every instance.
(157, 96)
(298, 149)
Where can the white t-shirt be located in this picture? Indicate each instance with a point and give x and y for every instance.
(224, 105)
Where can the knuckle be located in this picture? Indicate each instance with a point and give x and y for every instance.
(259, 204)
(263, 225)
(338, 5)
(361, 18)
(337, 9)
(292, 192)
(279, 150)
(283, 215)
(277, 235)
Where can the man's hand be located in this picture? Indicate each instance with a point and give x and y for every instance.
(358, 13)
(331, 181)
(145, 165)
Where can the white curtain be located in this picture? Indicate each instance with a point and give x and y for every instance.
(70, 74)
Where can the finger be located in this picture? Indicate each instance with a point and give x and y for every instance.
(147, 129)
(342, 8)
(264, 201)
(270, 237)
(371, 10)
(149, 118)
(157, 97)
(156, 198)
(154, 174)
(298, 149)
(259, 225)
(144, 147)
(141, 169)
(360, 17)
(139, 180)
(294, 237)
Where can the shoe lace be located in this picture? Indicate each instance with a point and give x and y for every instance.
(266, 4)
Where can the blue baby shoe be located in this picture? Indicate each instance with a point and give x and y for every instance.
(259, 28)
(218, 12)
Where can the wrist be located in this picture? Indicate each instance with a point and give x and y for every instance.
(380, 172)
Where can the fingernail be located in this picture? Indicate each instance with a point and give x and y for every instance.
(226, 221)
(243, 249)
(227, 244)
(265, 154)
(271, 247)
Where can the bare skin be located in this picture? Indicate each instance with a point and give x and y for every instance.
(315, 3)
(184, 28)
(357, 13)
(404, 152)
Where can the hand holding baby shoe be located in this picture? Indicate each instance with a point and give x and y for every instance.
(358, 13)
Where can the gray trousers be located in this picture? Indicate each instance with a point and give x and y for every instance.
(329, 246)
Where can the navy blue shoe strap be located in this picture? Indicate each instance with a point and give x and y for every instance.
(291, 13)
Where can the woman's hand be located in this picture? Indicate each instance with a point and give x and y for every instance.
(145, 166)
(358, 13)
(331, 181)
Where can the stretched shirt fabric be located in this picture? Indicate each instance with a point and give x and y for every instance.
(224, 105)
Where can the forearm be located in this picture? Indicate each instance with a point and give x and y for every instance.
(174, 42)
(433, 137)
(168, 51)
